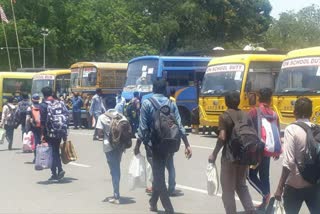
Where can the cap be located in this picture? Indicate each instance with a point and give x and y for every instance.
(35, 97)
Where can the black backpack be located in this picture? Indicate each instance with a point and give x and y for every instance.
(246, 146)
(165, 133)
(21, 112)
(309, 168)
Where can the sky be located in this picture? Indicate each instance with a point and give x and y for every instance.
(279, 6)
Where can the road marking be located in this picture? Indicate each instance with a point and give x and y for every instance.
(79, 164)
(205, 192)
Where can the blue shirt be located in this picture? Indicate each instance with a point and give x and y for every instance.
(97, 106)
(146, 113)
(76, 104)
(120, 103)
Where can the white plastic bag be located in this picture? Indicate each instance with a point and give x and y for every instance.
(279, 208)
(2, 135)
(149, 174)
(212, 179)
(137, 172)
(28, 142)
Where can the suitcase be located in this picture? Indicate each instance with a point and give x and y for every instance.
(68, 153)
(44, 157)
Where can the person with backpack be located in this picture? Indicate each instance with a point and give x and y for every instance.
(77, 104)
(266, 123)
(234, 163)
(21, 112)
(54, 117)
(8, 121)
(97, 108)
(33, 121)
(116, 132)
(133, 111)
(300, 177)
(160, 127)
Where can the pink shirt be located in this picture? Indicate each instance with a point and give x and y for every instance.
(294, 148)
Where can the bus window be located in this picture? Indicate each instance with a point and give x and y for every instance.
(89, 77)
(12, 86)
(180, 78)
(62, 84)
(262, 75)
(74, 78)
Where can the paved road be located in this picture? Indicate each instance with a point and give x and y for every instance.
(88, 182)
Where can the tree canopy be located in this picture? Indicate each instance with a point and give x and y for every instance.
(118, 30)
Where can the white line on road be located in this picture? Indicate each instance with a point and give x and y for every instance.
(79, 164)
(205, 192)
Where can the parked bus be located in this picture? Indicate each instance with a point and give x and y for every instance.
(181, 73)
(246, 73)
(58, 80)
(13, 84)
(299, 77)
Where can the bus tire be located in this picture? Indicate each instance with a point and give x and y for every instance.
(185, 115)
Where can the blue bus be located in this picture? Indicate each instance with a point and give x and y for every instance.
(182, 73)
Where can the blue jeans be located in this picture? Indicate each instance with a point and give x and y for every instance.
(261, 184)
(9, 134)
(37, 138)
(114, 159)
(56, 160)
(77, 119)
(171, 174)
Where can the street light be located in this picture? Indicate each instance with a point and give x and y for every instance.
(44, 33)
(31, 49)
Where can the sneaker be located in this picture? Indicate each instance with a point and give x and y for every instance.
(114, 201)
(61, 175)
(53, 178)
(153, 208)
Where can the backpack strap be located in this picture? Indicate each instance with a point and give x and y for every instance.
(303, 125)
(259, 121)
(154, 102)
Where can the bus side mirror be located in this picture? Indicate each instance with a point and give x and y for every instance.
(252, 99)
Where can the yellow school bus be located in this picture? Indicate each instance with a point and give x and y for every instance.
(13, 84)
(58, 80)
(299, 77)
(86, 77)
(246, 73)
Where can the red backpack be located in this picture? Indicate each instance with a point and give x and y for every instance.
(35, 113)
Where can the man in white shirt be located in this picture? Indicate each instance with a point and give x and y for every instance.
(294, 188)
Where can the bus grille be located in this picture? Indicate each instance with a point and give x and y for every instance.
(287, 114)
(214, 112)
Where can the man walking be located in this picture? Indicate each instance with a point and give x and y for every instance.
(262, 183)
(8, 120)
(233, 175)
(147, 135)
(77, 104)
(21, 112)
(120, 102)
(54, 123)
(33, 121)
(292, 185)
(97, 108)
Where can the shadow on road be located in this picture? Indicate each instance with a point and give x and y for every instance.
(7, 150)
(123, 200)
(209, 136)
(64, 180)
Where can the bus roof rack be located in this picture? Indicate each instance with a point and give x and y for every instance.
(228, 52)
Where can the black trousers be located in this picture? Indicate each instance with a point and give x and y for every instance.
(293, 199)
(159, 188)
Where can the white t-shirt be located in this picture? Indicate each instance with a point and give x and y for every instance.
(104, 123)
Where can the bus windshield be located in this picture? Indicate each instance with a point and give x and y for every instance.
(140, 75)
(302, 78)
(38, 84)
(222, 78)
(74, 78)
(89, 77)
